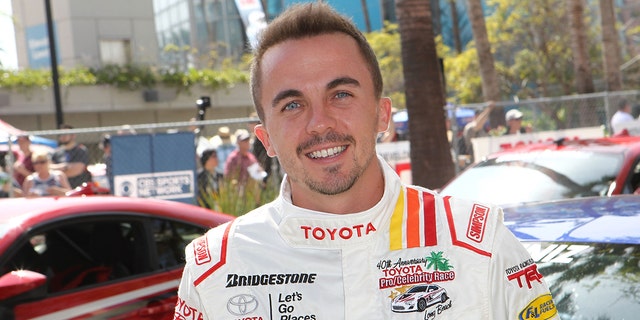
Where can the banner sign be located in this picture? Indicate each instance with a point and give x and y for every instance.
(158, 166)
(485, 146)
(162, 185)
(253, 18)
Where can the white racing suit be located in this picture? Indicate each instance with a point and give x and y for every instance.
(414, 255)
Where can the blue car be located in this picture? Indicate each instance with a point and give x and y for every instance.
(588, 251)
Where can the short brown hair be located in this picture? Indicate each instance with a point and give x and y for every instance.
(308, 20)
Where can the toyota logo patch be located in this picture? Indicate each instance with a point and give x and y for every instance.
(242, 304)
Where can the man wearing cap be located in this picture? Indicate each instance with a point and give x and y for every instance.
(241, 163)
(514, 123)
(224, 146)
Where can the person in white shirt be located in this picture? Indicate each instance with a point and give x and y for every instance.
(621, 116)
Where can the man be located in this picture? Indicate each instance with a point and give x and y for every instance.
(513, 118)
(224, 146)
(241, 163)
(71, 158)
(346, 239)
(621, 117)
(475, 129)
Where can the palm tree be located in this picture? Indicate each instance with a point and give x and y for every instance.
(610, 46)
(437, 262)
(581, 64)
(365, 13)
(454, 24)
(431, 163)
(580, 47)
(488, 74)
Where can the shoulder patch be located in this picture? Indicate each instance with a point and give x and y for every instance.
(458, 233)
(477, 222)
(222, 257)
(541, 307)
(201, 250)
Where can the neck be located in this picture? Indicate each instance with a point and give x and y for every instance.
(364, 194)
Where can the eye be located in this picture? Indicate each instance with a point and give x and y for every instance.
(343, 94)
(291, 106)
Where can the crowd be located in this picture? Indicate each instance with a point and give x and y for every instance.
(38, 173)
(237, 159)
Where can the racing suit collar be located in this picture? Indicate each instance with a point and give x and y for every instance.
(309, 228)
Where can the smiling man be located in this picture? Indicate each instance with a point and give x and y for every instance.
(346, 239)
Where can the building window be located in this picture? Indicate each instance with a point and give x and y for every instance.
(115, 51)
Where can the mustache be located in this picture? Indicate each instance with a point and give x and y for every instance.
(331, 137)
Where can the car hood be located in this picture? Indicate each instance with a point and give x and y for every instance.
(592, 219)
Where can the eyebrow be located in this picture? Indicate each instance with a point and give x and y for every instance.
(285, 95)
(343, 81)
(297, 93)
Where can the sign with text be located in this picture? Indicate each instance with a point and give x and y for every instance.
(397, 154)
(487, 145)
(161, 185)
(160, 166)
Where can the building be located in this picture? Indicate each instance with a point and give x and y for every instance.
(175, 34)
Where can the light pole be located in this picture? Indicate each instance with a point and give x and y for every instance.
(54, 65)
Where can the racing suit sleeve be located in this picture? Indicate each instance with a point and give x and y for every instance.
(519, 290)
(189, 305)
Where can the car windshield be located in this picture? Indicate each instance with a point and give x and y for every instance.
(520, 178)
(590, 280)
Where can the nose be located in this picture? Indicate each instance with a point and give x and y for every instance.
(321, 119)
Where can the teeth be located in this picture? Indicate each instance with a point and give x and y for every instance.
(326, 152)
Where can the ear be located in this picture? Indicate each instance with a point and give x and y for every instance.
(262, 135)
(384, 114)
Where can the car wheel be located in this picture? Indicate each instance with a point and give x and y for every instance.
(422, 305)
(443, 297)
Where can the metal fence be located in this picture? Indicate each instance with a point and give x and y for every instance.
(544, 114)
(566, 112)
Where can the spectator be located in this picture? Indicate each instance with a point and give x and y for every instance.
(107, 159)
(241, 163)
(224, 146)
(72, 159)
(346, 235)
(23, 166)
(514, 123)
(45, 181)
(208, 179)
(8, 184)
(475, 129)
(621, 117)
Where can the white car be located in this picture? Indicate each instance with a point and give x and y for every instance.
(419, 298)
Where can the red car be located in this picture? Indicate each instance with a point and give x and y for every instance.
(552, 170)
(101, 256)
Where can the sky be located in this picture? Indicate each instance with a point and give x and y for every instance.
(8, 55)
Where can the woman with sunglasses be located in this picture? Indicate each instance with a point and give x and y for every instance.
(44, 181)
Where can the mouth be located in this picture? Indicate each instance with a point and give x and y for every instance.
(326, 153)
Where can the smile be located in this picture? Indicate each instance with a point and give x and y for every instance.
(325, 153)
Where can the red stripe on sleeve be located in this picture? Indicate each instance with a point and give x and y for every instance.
(413, 218)
(429, 207)
(223, 257)
(452, 231)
